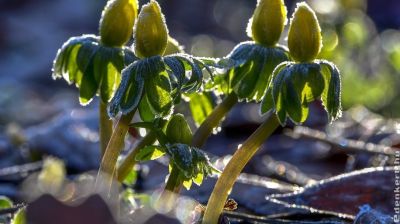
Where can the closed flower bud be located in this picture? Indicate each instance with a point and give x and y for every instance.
(304, 39)
(178, 130)
(268, 21)
(117, 20)
(151, 33)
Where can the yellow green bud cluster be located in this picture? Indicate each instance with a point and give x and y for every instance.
(116, 23)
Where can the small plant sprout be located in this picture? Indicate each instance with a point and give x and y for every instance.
(294, 85)
(152, 84)
(250, 63)
(94, 63)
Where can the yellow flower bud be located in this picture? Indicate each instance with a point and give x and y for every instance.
(304, 38)
(117, 20)
(151, 33)
(268, 21)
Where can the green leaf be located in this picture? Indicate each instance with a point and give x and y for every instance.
(19, 217)
(331, 96)
(158, 93)
(187, 184)
(241, 53)
(239, 73)
(150, 152)
(272, 57)
(88, 86)
(267, 103)
(201, 106)
(112, 67)
(291, 101)
(145, 112)
(5, 202)
(181, 155)
(131, 178)
(177, 70)
(129, 92)
(308, 81)
(195, 80)
(198, 179)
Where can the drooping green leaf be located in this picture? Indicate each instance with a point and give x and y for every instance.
(111, 77)
(88, 85)
(241, 53)
(145, 112)
(158, 91)
(177, 69)
(129, 92)
(201, 106)
(272, 57)
(291, 101)
(198, 180)
(267, 103)
(331, 96)
(150, 152)
(239, 73)
(181, 155)
(194, 81)
(84, 61)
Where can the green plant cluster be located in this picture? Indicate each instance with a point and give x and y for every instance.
(144, 77)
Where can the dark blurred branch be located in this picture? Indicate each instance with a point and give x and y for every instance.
(349, 145)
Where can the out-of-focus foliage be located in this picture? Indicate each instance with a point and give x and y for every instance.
(369, 59)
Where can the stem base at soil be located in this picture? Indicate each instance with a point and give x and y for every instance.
(235, 166)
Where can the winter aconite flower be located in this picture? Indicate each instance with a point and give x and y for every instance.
(295, 84)
(94, 63)
(254, 61)
(154, 83)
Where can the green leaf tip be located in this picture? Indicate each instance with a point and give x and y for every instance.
(268, 21)
(117, 20)
(304, 38)
(151, 32)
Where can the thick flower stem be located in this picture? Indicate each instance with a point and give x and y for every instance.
(173, 183)
(106, 172)
(203, 132)
(235, 166)
(212, 121)
(105, 127)
(130, 160)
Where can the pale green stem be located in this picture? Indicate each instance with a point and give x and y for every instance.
(107, 168)
(235, 166)
(130, 160)
(105, 127)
